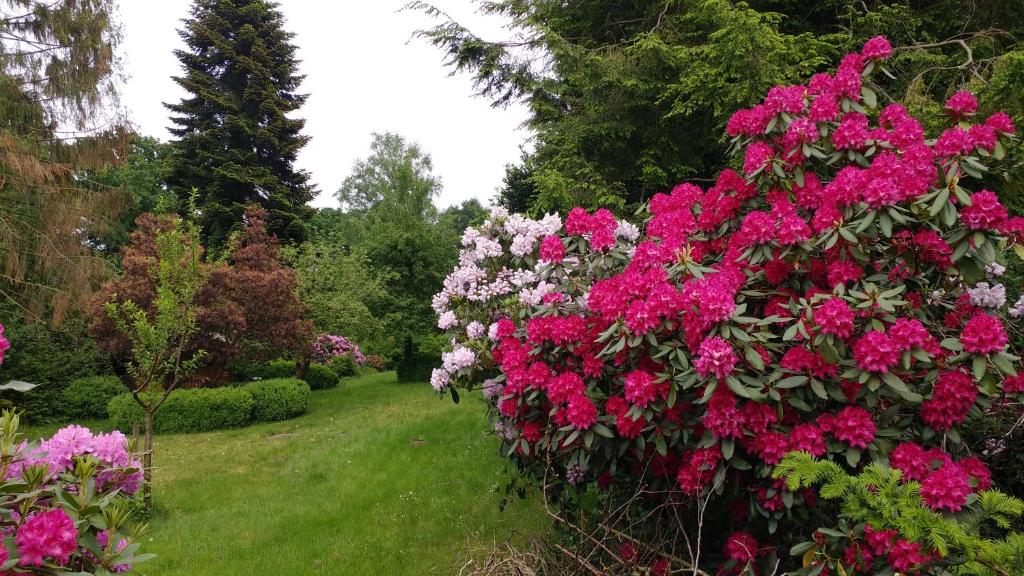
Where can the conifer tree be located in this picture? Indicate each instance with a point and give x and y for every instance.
(236, 144)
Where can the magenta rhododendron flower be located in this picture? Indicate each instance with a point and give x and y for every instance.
(985, 212)
(715, 357)
(984, 334)
(876, 352)
(835, 317)
(741, 547)
(4, 344)
(581, 412)
(954, 395)
(878, 48)
(905, 556)
(963, 103)
(552, 249)
(48, 536)
(852, 425)
(910, 459)
(946, 488)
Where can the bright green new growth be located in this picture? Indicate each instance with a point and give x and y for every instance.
(878, 497)
(160, 358)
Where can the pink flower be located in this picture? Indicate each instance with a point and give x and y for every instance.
(698, 469)
(722, 418)
(770, 446)
(983, 334)
(715, 357)
(581, 412)
(946, 488)
(4, 344)
(1014, 384)
(953, 396)
(843, 271)
(905, 556)
(741, 547)
(978, 471)
(985, 212)
(852, 132)
(875, 352)
(910, 459)
(808, 438)
(552, 249)
(961, 104)
(1002, 122)
(564, 387)
(835, 317)
(640, 388)
(878, 48)
(954, 142)
(852, 425)
(49, 535)
(757, 156)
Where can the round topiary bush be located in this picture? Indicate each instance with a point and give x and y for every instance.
(89, 397)
(278, 399)
(321, 377)
(193, 410)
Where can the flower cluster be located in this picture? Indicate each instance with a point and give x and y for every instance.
(328, 346)
(4, 344)
(828, 300)
(64, 495)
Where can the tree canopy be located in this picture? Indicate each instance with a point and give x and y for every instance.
(236, 143)
(629, 98)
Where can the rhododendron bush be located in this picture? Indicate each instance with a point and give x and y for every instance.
(839, 296)
(329, 346)
(62, 502)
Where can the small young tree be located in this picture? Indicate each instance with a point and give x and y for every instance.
(160, 353)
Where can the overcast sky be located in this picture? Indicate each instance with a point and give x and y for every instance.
(363, 74)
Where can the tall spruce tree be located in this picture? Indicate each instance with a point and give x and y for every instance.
(236, 144)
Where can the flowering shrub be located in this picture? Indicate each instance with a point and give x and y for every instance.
(329, 346)
(61, 502)
(839, 298)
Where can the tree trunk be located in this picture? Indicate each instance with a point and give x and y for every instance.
(147, 462)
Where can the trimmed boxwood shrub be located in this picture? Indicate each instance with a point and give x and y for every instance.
(89, 397)
(278, 369)
(321, 377)
(193, 410)
(278, 399)
(343, 365)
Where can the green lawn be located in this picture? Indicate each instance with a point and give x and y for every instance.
(377, 478)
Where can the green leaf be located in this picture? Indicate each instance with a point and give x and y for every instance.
(819, 389)
(792, 382)
(737, 387)
(728, 446)
(852, 456)
(755, 360)
(602, 430)
(979, 366)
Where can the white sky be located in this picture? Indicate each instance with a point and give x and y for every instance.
(363, 74)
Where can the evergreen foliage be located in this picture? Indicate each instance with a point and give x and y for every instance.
(629, 98)
(877, 497)
(236, 143)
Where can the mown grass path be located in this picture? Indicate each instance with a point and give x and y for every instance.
(378, 478)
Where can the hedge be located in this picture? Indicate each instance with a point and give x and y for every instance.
(206, 409)
(321, 377)
(278, 399)
(89, 397)
(193, 410)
